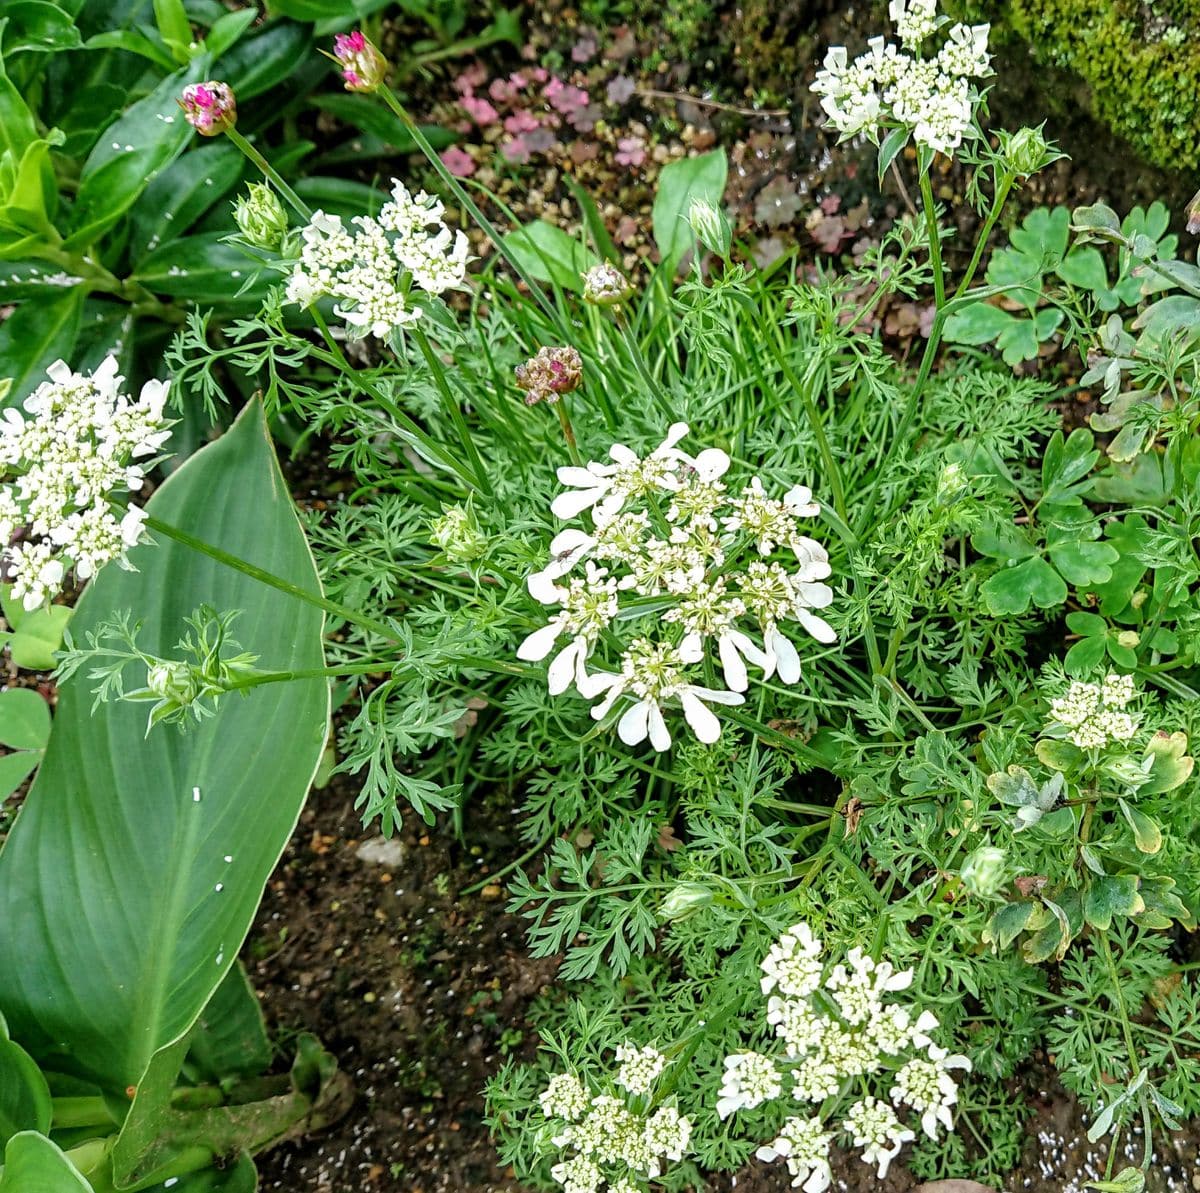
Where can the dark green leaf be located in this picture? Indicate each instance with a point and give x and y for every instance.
(39, 26)
(34, 336)
(24, 719)
(32, 1164)
(1111, 896)
(203, 270)
(1012, 588)
(24, 1096)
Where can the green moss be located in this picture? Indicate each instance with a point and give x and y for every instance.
(774, 45)
(1139, 61)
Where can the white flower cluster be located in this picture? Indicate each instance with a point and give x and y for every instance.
(932, 97)
(63, 464)
(615, 1147)
(837, 1025)
(371, 270)
(674, 568)
(1093, 715)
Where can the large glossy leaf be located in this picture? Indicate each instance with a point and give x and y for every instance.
(35, 335)
(133, 870)
(204, 270)
(24, 1096)
(701, 177)
(32, 1164)
(128, 155)
(230, 1038)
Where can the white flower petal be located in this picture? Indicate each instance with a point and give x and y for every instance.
(635, 723)
(540, 643)
(703, 721)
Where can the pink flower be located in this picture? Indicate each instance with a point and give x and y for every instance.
(460, 163)
(520, 122)
(470, 78)
(502, 91)
(515, 151)
(479, 110)
(630, 151)
(363, 66)
(210, 108)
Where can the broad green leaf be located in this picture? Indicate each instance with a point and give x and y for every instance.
(1146, 833)
(239, 1177)
(17, 125)
(24, 719)
(1084, 656)
(1084, 563)
(181, 194)
(32, 1164)
(15, 769)
(1043, 233)
(128, 155)
(35, 634)
(20, 280)
(893, 143)
(25, 1103)
(227, 31)
(324, 10)
(1170, 766)
(172, 21)
(40, 27)
(700, 177)
(1084, 268)
(1052, 940)
(366, 113)
(137, 862)
(548, 254)
(133, 41)
(1113, 895)
(34, 336)
(203, 270)
(265, 58)
(1008, 923)
(1012, 588)
(1058, 755)
(1173, 314)
(341, 196)
(230, 1037)
(1003, 541)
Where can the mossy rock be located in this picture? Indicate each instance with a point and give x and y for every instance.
(1139, 61)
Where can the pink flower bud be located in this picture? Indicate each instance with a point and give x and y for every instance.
(1193, 215)
(363, 67)
(550, 374)
(210, 108)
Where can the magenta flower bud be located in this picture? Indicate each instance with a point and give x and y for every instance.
(210, 108)
(363, 67)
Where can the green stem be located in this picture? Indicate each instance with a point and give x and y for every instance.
(269, 578)
(639, 363)
(564, 420)
(452, 408)
(459, 192)
(423, 442)
(1002, 189)
(301, 208)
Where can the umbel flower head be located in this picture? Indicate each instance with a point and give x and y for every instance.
(372, 269)
(550, 374)
(616, 1139)
(210, 108)
(362, 66)
(932, 96)
(64, 461)
(676, 573)
(840, 1029)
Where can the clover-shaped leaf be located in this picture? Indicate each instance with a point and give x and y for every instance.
(1170, 766)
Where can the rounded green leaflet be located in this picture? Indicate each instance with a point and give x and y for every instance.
(134, 869)
(33, 1164)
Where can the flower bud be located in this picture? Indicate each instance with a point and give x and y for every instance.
(1128, 639)
(684, 900)
(605, 286)
(173, 682)
(951, 483)
(210, 108)
(457, 534)
(550, 374)
(363, 66)
(1193, 215)
(712, 227)
(1026, 151)
(983, 871)
(260, 216)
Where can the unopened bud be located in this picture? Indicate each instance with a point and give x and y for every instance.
(1193, 215)
(983, 871)
(712, 227)
(951, 482)
(260, 216)
(1026, 151)
(1128, 639)
(173, 682)
(363, 67)
(550, 374)
(684, 900)
(457, 534)
(210, 108)
(605, 286)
